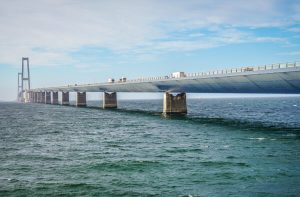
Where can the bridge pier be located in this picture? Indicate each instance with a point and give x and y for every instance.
(54, 98)
(31, 97)
(81, 99)
(38, 97)
(43, 97)
(26, 96)
(110, 100)
(65, 98)
(48, 98)
(35, 97)
(174, 104)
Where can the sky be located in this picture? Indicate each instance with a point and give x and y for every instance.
(87, 41)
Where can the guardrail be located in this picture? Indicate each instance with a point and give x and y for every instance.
(220, 72)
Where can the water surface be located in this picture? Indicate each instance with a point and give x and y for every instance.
(238, 147)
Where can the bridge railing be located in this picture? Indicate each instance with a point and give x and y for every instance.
(222, 72)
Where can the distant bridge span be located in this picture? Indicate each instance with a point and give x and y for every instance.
(275, 78)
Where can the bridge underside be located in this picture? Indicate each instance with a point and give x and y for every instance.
(254, 82)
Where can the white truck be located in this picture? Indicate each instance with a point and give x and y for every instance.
(111, 80)
(178, 74)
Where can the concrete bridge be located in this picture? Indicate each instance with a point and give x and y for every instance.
(274, 78)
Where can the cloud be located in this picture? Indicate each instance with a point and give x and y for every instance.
(294, 29)
(214, 39)
(48, 31)
(290, 53)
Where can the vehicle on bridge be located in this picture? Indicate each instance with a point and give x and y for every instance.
(122, 79)
(178, 74)
(247, 69)
(111, 80)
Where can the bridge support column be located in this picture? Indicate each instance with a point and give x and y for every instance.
(65, 98)
(26, 96)
(38, 95)
(110, 100)
(55, 98)
(31, 97)
(174, 104)
(48, 97)
(81, 99)
(34, 97)
(43, 97)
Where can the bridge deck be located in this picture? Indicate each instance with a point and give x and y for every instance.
(253, 80)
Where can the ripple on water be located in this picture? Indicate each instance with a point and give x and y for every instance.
(126, 165)
(216, 149)
(223, 164)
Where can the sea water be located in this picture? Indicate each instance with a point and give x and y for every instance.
(222, 147)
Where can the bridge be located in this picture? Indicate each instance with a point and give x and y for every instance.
(273, 78)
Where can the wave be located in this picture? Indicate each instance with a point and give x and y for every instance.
(201, 119)
(237, 123)
(126, 165)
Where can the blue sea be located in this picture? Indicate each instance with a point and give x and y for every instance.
(222, 147)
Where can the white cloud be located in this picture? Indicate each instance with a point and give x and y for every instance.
(290, 53)
(219, 38)
(294, 29)
(61, 26)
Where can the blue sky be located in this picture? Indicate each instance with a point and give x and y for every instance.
(76, 41)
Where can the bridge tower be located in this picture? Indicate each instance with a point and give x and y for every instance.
(24, 81)
(19, 96)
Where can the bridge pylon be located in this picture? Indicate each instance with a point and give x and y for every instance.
(19, 95)
(24, 81)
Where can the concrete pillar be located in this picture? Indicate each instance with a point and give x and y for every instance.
(26, 96)
(37, 97)
(48, 97)
(34, 97)
(43, 97)
(81, 99)
(55, 98)
(40, 97)
(174, 104)
(110, 100)
(65, 98)
(30, 97)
